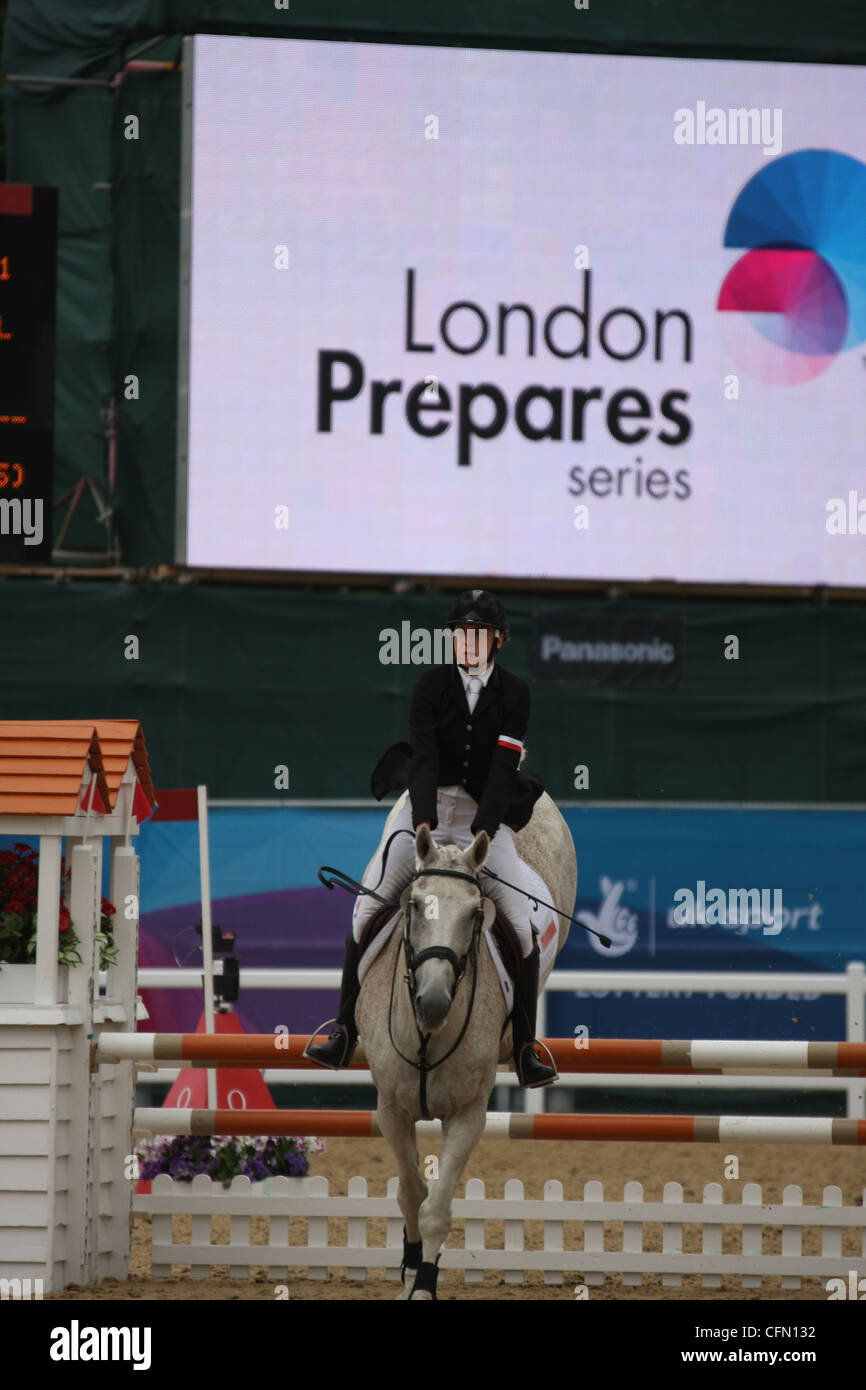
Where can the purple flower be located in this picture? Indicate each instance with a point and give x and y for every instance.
(256, 1157)
(182, 1168)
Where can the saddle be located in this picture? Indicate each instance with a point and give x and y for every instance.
(373, 928)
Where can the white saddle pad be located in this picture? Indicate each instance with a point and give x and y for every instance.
(541, 917)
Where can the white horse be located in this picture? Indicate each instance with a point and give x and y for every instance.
(464, 1051)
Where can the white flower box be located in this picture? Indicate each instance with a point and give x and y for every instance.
(18, 983)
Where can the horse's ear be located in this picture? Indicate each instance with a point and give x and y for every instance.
(476, 854)
(423, 842)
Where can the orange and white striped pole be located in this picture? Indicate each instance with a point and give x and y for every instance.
(647, 1129)
(626, 1055)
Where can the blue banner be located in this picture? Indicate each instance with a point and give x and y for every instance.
(714, 889)
(676, 888)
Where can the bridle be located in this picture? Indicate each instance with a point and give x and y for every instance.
(415, 959)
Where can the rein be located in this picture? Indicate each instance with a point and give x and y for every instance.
(344, 881)
(414, 959)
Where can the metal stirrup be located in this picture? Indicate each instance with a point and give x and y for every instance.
(316, 1031)
(538, 1042)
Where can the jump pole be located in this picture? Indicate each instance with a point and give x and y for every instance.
(649, 1129)
(650, 1056)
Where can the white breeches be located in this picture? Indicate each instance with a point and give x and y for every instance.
(455, 810)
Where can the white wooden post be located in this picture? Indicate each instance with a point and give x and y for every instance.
(83, 1135)
(855, 1007)
(84, 904)
(47, 919)
(124, 883)
(855, 1031)
(124, 891)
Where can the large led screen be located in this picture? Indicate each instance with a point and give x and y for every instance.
(466, 311)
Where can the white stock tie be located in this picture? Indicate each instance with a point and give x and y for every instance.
(473, 691)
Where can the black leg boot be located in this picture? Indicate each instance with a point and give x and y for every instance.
(531, 1071)
(337, 1051)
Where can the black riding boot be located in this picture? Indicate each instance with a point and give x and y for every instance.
(531, 1071)
(337, 1051)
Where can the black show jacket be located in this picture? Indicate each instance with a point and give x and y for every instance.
(450, 745)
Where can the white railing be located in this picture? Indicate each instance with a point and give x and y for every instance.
(279, 1199)
(851, 983)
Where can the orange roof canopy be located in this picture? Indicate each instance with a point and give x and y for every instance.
(43, 761)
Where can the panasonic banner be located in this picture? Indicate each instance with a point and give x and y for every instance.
(471, 311)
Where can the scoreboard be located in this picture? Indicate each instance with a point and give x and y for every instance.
(28, 287)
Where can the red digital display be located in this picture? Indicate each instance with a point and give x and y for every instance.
(28, 284)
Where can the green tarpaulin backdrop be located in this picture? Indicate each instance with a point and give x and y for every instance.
(233, 682)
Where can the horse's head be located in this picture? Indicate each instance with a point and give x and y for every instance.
(442, 915)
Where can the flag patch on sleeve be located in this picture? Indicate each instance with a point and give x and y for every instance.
(506, 741)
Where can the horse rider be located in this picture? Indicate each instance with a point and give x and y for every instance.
(467, 722)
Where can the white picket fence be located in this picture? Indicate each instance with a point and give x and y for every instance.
(282, 1198)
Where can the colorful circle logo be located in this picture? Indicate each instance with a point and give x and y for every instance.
(797, 298)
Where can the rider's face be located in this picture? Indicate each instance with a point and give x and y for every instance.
(473, 645)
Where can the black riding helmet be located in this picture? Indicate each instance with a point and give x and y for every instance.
(480, 607)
